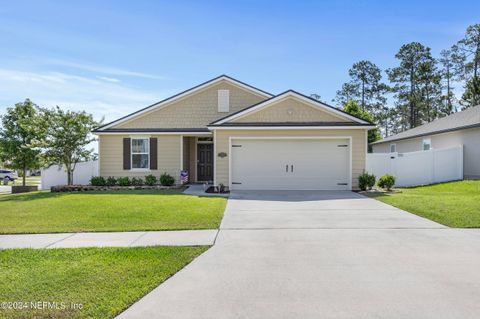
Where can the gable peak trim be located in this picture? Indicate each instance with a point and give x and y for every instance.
(286, 94)
(182, 94)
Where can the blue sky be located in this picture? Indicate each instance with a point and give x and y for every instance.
(111, 58)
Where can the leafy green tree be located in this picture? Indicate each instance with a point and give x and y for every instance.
(20, 137)
(347, 93)
(413, 79)
(352, 107)
(471, 96)
(365, 87)
(67, 134)
(466, 54)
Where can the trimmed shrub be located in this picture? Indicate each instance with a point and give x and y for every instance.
(167, 179)
(124, 181)
(366, 181)
(387, 181)
(137, 181)
(111, 181)
(150, 180)
(98, 181)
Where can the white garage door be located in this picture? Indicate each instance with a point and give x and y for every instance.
(290, 164)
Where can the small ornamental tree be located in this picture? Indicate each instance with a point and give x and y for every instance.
(352, 107)
(387, 181)
(20, 137)
(67, 134)
(366, 181)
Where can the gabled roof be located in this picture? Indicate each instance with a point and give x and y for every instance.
(181, 95)
(290, 93)
(292, 124)
(468, 118)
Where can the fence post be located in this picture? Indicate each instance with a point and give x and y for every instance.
(461, 163)
(432, 169)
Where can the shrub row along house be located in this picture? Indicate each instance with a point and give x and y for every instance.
(227, 132)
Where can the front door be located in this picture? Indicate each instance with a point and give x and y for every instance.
(204, 162)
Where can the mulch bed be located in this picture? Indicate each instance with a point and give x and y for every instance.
(89, 188)
(376, 191)
(214, 190)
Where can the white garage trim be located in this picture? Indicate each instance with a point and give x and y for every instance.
(349, 138)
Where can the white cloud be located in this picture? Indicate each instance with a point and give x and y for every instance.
(100, 97)
(103, 69)
(108, 79)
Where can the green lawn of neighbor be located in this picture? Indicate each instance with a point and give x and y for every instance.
(105, 281)
(31, 180)
(454, 204)
(132, 210)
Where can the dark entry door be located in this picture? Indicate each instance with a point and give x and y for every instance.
(205, 162)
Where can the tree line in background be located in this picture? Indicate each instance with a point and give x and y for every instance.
(422, 87)
(32, 137)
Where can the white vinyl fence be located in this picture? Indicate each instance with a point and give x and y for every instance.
(56, 175)
(419, 168)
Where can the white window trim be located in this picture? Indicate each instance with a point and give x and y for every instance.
(390, 147)
(139, 169)
(429, 140)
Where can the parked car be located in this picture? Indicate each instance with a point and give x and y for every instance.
(10, 174)
(35, 173)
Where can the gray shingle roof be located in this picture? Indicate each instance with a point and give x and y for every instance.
(460, 120)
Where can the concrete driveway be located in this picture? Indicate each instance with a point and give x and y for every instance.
(323, 255)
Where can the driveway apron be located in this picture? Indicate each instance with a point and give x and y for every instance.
(323, 255)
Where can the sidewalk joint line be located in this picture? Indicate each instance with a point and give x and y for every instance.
(216, 235)
(137, 239)
(56, 242)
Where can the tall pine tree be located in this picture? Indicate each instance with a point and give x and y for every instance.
(466, 54)
(365, 88)
(448, 73)
(415, 81)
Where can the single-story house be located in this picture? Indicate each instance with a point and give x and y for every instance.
(227, 132)
(461, 128)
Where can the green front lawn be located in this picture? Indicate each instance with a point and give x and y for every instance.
(104, 281)
(455, 204)
(133, 210)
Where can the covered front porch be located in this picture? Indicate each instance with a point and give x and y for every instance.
(197, 158)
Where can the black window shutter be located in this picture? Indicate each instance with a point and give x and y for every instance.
(126, 153)
(153, 153)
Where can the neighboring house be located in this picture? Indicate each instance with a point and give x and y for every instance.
(461, 128)
(227, 132)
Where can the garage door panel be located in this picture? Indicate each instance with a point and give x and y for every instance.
(290, 164)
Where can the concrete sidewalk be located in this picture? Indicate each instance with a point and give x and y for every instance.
(110, 239)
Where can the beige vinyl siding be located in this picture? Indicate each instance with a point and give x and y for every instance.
(223, 137)
(290, 110)
(186, 153)
(111, 150)
(196, 110)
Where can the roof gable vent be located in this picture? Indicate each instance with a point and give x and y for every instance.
(223, 101)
